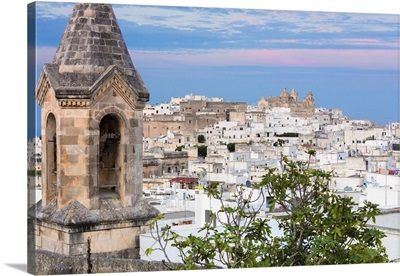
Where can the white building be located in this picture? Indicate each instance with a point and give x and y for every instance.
(382, 189)
(34, 154)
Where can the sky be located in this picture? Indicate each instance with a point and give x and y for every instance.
(349, 61)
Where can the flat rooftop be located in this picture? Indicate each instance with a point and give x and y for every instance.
(179, 214)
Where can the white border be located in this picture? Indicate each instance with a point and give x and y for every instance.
(13, 122)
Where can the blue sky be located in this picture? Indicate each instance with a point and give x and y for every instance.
(349, 61)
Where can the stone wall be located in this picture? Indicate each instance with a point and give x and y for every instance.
(73, 242)
(54, 264)
(167, 162)
(194, 115)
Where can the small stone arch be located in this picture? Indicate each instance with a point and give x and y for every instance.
(112, 132)
(110, 110)
(51, 148)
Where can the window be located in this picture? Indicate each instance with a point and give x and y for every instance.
(51, 170)
(111, 131)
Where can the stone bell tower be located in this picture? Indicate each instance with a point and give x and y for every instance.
(92, 100)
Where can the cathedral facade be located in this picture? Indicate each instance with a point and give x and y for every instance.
(304, 108)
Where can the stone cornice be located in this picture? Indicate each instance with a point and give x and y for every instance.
(41, 88)
(79, 96)
(74, 103)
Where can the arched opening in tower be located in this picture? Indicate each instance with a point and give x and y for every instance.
(110, 156)
(51, 158)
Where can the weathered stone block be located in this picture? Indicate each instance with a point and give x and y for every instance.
(65, 249)
(114, 43)
(73, 158)
(49, 244)
(78, 249)
(134, 122)
(117, 50)
(76, 238)
(83, 20)
(121, 106)
(49, 233)
(38, 241)
(81, 122)
(104, 236)
(64, 237)
(66, 179)
(69, 140)
(74, 192)
(75, 149)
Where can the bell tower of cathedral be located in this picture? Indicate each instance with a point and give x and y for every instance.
(92, 99)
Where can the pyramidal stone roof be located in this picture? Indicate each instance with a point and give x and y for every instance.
(91, 46)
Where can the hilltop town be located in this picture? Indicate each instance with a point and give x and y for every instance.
(208, 139)
(232, 142)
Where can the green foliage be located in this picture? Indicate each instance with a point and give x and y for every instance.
(202, 151)
(231, 147)
(279, 143)
(34, 173)
(288, 134)
(319, 227)
(201, 139)
(179, 148)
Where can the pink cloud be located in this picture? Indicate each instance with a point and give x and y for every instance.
(367, 59)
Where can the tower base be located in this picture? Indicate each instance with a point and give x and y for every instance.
(111, 231)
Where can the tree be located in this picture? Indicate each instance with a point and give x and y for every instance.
(288, 134)
(179, 148)
(201, 139)
(279, 143)
(202, 151)
(321, 227)
(318, 226)
(231, 147)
